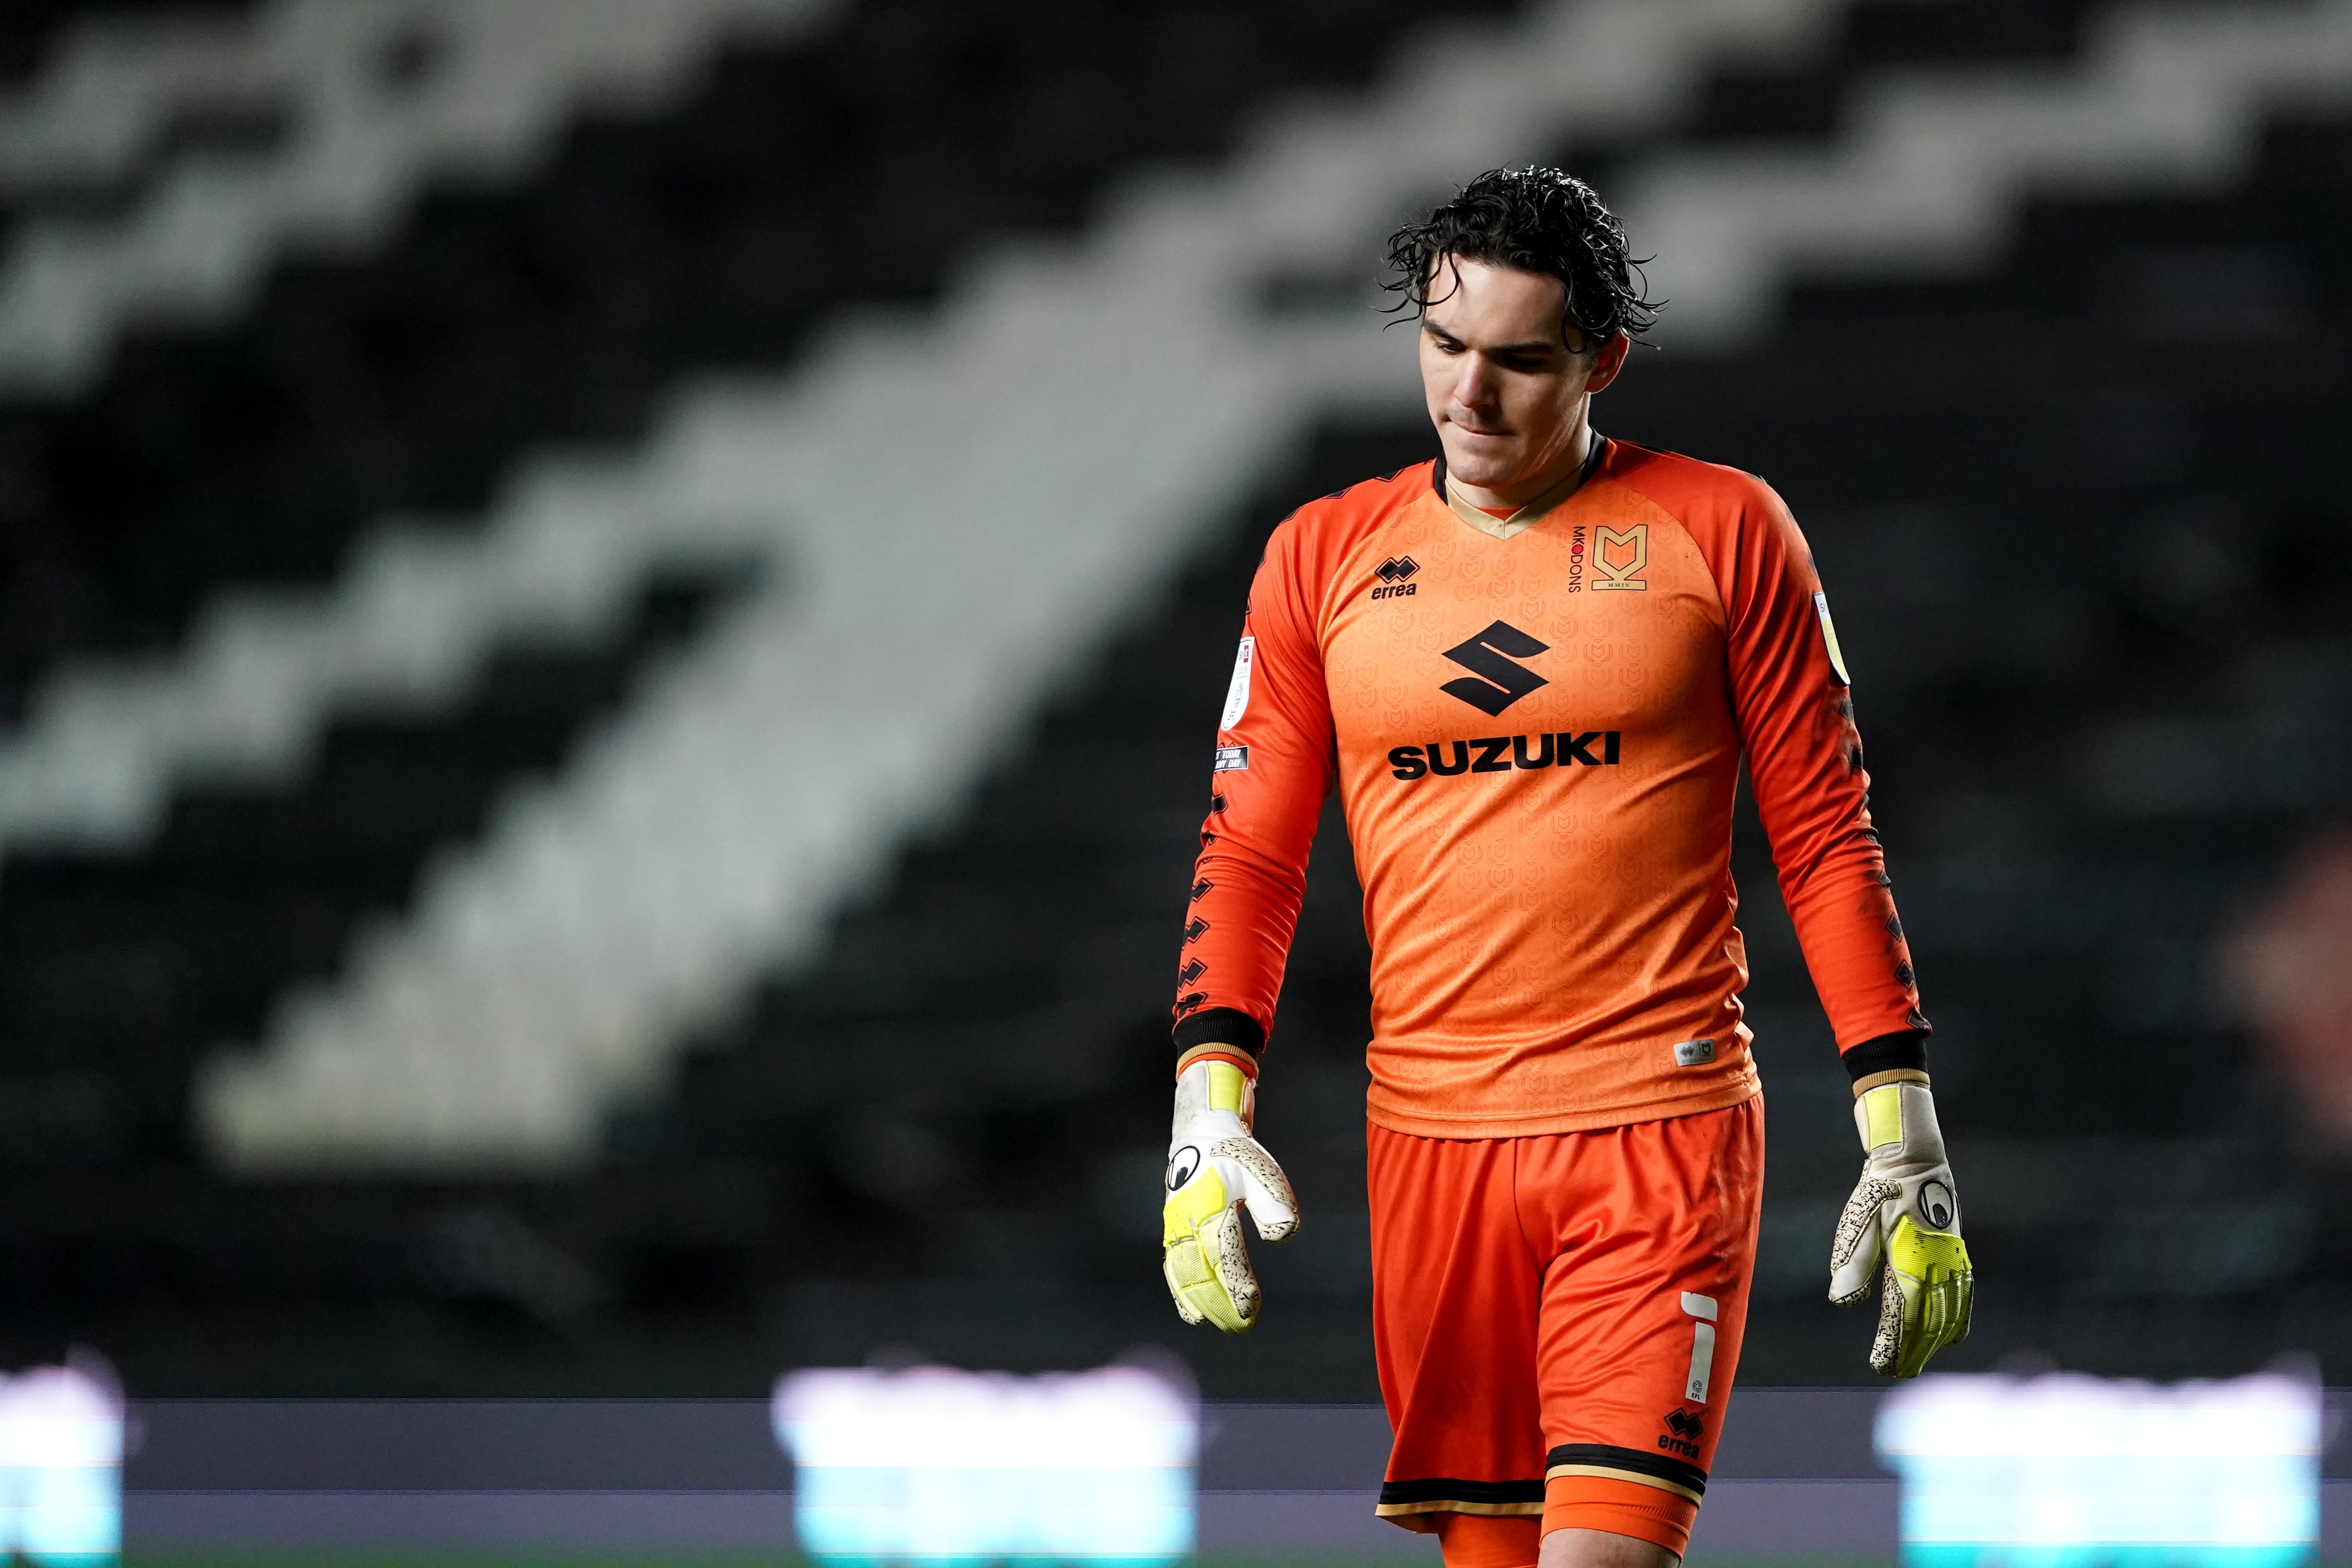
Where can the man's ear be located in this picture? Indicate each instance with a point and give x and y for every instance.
(1608, 361)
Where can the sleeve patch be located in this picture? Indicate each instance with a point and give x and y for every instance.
(1238, 692)
(1232, 759)
(1829, 641)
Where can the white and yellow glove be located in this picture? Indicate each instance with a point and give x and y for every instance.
(1215, 1168)
(1902, 1227)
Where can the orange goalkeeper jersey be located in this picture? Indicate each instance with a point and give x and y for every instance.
(1536, 739)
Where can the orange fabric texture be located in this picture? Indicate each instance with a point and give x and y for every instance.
(1562, 1306)
(1537, 741)
(1486, 1540)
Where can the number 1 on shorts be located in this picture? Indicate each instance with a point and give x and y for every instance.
(1702, 1367)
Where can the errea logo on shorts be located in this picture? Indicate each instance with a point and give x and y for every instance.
(1683, 1432)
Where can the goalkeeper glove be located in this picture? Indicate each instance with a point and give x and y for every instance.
(1902, 1226)
(1215, 1168)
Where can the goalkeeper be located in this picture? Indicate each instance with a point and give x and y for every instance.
(1532, 669)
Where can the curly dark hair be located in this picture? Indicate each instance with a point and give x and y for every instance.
(1543, 221)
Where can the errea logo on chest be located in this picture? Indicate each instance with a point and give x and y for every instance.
(1392, 573)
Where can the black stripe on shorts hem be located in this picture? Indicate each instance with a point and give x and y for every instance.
(1609, 1457)
(1446, 1488)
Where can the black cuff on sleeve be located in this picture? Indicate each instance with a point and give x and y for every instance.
(1221, 1026)
(1887, 1053)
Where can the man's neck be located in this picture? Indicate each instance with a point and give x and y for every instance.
(1513, 511)
(1575, 456)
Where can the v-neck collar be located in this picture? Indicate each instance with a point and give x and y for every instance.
(1527, 516)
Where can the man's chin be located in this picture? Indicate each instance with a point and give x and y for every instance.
(1480, 470)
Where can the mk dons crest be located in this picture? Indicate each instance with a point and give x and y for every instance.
(1632, 557)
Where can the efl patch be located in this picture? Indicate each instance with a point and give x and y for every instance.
(1829, 639)
(1237, 690)
(1232, 759)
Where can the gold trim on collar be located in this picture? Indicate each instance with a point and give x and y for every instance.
(1535, 511)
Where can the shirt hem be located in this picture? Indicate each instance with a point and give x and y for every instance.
(1473, 1129)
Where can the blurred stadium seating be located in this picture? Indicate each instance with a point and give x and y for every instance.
(607, 733)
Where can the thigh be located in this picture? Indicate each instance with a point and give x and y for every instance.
(1455, 1306)
(1643, 1305)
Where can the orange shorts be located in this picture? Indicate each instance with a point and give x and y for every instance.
(1557, 1321)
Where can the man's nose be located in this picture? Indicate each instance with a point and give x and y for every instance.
(1474, 387)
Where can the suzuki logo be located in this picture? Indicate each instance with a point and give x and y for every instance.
(1505, 683)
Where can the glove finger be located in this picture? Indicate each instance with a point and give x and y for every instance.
(1929, 1270)
(1188, 1276)
(1193, 1224)
(1209, 1275)
(1273, 1206)
(1221, 1240)
(1855, 1251)
(1932, 1319)
(1942, 1320)
(1176, 1281)
(1886, 1348)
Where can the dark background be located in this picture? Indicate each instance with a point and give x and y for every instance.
(2078, 508)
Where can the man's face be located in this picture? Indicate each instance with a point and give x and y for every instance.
(1505, 391)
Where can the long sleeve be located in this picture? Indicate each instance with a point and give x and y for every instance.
(1795, 711)
(1272, 769)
